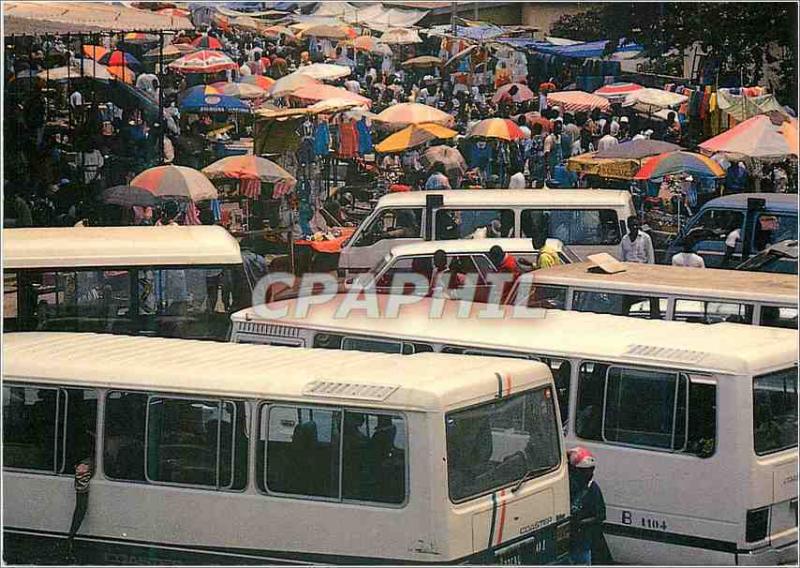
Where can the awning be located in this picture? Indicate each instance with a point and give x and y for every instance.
(607, 168)
(375, 16)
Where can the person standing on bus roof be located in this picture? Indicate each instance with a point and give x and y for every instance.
(636, 245)
(587, 510)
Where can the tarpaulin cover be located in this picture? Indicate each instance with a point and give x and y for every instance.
(375, 16)
(592, 49)
(741, 108)
(757, 137)
(608, 168)
(636, 149)
(475, 33)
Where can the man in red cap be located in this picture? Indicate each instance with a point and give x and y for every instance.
(588, 510)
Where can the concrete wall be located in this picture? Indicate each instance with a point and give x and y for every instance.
(542, 15)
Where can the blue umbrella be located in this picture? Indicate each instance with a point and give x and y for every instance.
(204, 98)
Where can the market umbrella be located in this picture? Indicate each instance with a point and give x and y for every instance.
(287, 85)
(523, 93)
(412, 136)
(400, 36)
(206, 42)
(173, 12)
(204, 61)
(139, 37)
(128, 196)
(758, 137)
(122, 73)
(534, 117)
(204, 98)
(185, 48)
(94, 51)
(246, 23)
(316, 93)
(616, 91)
(365, 43)
(612, 168)
(577, 101)
(650, 100)
(91, 70)
(240, 90)
(335, 105)
(329, 31)
(637, 149)
(324, 71)
(422, 61)
(501, 128)
(461, 54)
(170, 52)
(118, 57)
(403, 114)
(679, 162)
(449, 157)
(276, 31)
(257, 80)
(176, 181)
(249, 167)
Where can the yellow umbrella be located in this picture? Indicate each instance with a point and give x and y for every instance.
(403, 114)
(412, 136)
(422, 61)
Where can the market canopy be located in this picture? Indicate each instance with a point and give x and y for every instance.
(329, 31)
(577, 101)
(500, 128)
(412, 136)
(637, 149)
(205, 61)
(400, 36)
(651, 100)
(176, 181)
(618, 91)
(205, 98)
(324, 71)
(404, 114)
(317, 93)
(611, 168)
(759, 137)
(673, 163)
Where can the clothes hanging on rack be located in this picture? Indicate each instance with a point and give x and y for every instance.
(322, 139)
(364, 137)
(348, 140)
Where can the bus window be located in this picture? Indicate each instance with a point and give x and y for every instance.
(619, 304)
(468, 221)
(771, 228)
(645, 408)
(374, 345)
(327, 341)
(495, 444)
(549, 297)
(699, 311)
(573, 226)
(48, 429)
(702, 419)
(302, 450)
(589, 411)
(775, 411)
(123, 456)
(373, 457)
(775, 316)
(562, 373)
(392, 224)
(188, 439)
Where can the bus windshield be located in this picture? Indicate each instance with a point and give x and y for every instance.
(775, 411)
(498, 443)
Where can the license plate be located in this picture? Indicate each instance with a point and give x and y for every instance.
(539, 549)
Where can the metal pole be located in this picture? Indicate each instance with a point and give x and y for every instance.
(161, 96)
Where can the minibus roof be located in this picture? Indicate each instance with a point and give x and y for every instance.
(724, 347)
(77, 247)
(466, 246)
(734, 285)
(497, 198)
(426, 382)
(781, 202)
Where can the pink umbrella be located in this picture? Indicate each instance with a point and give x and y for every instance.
(617, 90)
(576, 101)
(523, 93)
(205, 61)
(321, 92)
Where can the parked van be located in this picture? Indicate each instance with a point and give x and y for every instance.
(694, 427)
(664, 292)
(170, 281)
(763, 219)
(586, 220)
(214, 453)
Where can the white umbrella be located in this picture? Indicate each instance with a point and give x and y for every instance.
(289, 84)
(324, 71)
(91, 70)
(400, 36)
(648, 100)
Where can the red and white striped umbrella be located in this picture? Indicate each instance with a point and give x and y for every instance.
(617, 90)
(205, 61)
(576, 101)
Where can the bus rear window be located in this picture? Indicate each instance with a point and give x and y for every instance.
(775, 411)
(495, 444)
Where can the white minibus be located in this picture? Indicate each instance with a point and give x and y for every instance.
(588, 221)
(664, 292)
(214, 453)
(170, 281)
(694, 426)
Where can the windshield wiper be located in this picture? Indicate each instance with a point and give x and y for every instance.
(530, 474)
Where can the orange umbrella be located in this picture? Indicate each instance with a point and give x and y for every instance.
(248, 167)
(258, 80)
(122, 73)
(501, 128)
(412, 136)
(94, 51)
(403, 114)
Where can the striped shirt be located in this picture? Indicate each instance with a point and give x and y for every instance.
(84, 470)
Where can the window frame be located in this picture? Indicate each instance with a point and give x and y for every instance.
(671, 450)
(216, 487)
(546, 212)
(457, 210)
(744, 305)
(260, 477)
(54, 469)
(379, 214)
(752, 422)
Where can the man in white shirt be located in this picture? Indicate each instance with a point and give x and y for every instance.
(606, 142)
(733, 238)
(636, 245)
(688, 257)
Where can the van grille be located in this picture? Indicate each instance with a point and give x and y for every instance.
(349, 390)
(666, 353)
(268, 329)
